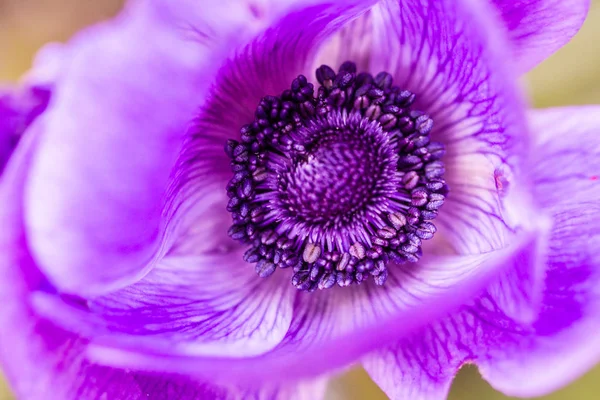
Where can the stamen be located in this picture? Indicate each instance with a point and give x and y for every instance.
(335, 184)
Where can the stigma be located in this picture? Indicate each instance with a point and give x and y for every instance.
(337, 183)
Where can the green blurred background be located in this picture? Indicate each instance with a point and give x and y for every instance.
(571, 76)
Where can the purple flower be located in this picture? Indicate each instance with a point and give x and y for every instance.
(193, 160)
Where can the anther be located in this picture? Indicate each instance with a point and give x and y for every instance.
(357, 250)
(311, 253)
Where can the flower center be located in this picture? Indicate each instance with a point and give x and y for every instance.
(335, 185)
(341, 173)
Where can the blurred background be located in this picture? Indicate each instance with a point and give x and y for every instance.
(571, 76)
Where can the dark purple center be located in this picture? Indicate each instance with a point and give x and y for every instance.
(335, 186)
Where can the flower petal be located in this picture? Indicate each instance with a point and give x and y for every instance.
(524, 357)
(19, 107)
(308, 390)
(38, 359)
(48, 66)
(561, 346)
(8, 135)
(540, 27)
(336, 50)
(452, 55)
(567, 167)
(423, 365)
(213, 305)
(113, 132)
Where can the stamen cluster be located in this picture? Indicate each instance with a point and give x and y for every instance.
(336, 183)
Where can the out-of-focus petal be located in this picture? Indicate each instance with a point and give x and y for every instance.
(48, 66)
(561, 345)
(22, 104)
(453, 56)
(39, 359)
(19, 107)
(309, 390)
(566, 166)
(129, 88)
(538, 28)
(8, 138)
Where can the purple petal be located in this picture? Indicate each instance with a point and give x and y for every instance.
(336, 50)
(22, 104)
(561, 345)
(567, 168)
(538, 28)
(333, 328)
(204, 305)
(19, 107)
(424, 364)
(112, 135)
(48, 66)
(518, 355)
(39, 359)
(452, 55)
(309, 390)
(8, 132)
(412, 374)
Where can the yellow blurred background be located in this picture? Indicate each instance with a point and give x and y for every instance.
(569, 77)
